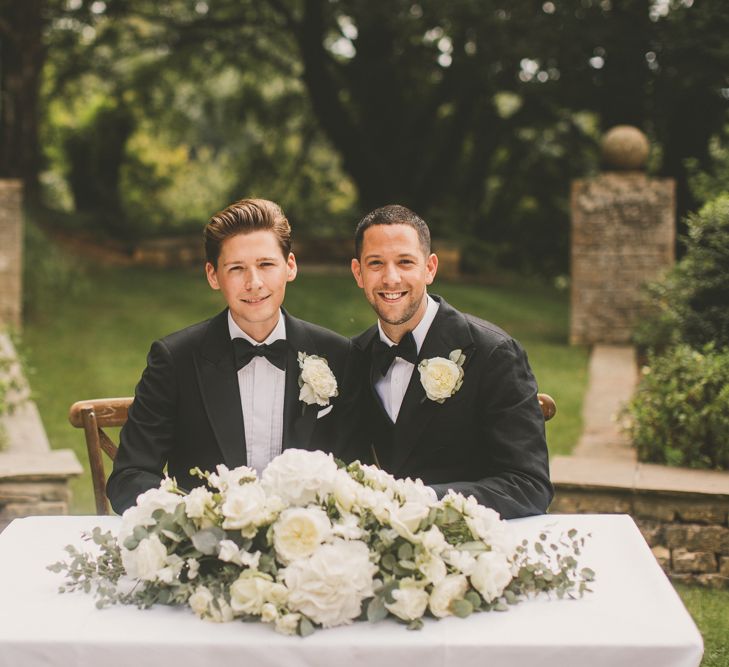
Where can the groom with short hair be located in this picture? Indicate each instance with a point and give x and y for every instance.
(452, 399)
(240, 387)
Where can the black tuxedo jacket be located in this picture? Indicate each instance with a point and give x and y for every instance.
(187, 407)
(487, 440)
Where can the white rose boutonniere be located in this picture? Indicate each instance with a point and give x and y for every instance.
(317, 381)
(440, 377)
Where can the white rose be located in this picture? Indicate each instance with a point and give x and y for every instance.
(299, 531)
(229, 552)
(193, 567)
(249, 593)
(491, 575)
(416, 491)
(345, 490)
(348, 528)
(288, 624)
(329, 586)
(146, 560)
(432, 567)
(141, 513)
(379, 479)
(452, 588)
(269, 613)
(433, 540)
(197, 502)
(299, 477)
(225, 479)
(245, 508)
(411, 600)
(200, 600)
(172, 569)
(440, 378)
(406, 518)
(461, 560)
(318, 381)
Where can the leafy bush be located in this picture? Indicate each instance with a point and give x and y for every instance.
(692, 304)
(679, 413)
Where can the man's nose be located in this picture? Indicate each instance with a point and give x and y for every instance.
(254, 279)
(392, 274)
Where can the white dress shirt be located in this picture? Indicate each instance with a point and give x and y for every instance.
(262, 387)
(391, 387)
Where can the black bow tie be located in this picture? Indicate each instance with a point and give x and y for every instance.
(245, 351)
(383, 354)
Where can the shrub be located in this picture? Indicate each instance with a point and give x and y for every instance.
(692, 303)
(679, 413)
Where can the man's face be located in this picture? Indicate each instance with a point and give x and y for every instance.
(252, 273)
(393, 271)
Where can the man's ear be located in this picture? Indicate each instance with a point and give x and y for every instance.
(357, 272)
(291, 267)
(431, 268)
(212, 275)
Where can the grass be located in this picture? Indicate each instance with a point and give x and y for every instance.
(710, 611)
(92, 341)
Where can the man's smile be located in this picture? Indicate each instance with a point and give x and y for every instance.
(392, 296)
(255, 300)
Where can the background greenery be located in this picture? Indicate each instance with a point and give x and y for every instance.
(145, 117)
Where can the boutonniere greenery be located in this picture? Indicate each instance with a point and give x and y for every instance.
(440, 377)
(317, 382)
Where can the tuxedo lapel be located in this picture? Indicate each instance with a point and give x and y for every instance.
(217, 375)
(449, 331)
(299, 418)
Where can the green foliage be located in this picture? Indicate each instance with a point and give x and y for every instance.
(95, 154)
(692, 303)
(48, 273)
(679, 415)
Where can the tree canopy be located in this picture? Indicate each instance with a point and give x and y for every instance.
(475, 113)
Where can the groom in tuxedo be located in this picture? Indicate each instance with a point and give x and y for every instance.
(237, 388)
(452, 399)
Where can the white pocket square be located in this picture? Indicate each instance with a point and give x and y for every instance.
(324, 412)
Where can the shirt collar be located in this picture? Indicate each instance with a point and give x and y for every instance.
(420, 331)
(279, 331)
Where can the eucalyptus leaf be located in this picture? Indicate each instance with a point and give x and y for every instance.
(207, 540)
(376, 610)
(461, 608)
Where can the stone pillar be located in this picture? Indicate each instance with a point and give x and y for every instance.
(623, 236)
(11, 249)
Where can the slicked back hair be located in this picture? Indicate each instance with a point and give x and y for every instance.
(392, 214)
(243, 217)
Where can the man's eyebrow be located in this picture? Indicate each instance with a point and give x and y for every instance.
(375, 255)
(258, 259)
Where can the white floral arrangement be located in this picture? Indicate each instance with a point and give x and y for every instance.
(317, 382)
(316, 544)
(442, 378)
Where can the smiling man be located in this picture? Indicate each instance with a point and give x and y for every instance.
(452, 399)
(240, 387)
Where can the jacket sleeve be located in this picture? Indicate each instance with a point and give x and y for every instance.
(511, 445)
(149, 434)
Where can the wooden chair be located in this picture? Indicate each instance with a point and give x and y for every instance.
(96, 414)
(549, 407)
(93, 417)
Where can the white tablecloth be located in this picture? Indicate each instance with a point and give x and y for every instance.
(633, 618)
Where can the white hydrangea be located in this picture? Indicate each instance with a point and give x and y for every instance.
(299, 477)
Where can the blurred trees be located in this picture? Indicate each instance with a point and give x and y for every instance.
(476, 113)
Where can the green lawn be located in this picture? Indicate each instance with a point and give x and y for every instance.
(710, 610)
(93, 342)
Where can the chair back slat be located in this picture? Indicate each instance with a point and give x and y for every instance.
(93, 416)
(549, 407)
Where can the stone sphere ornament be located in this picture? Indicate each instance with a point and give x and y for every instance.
(625, 148)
